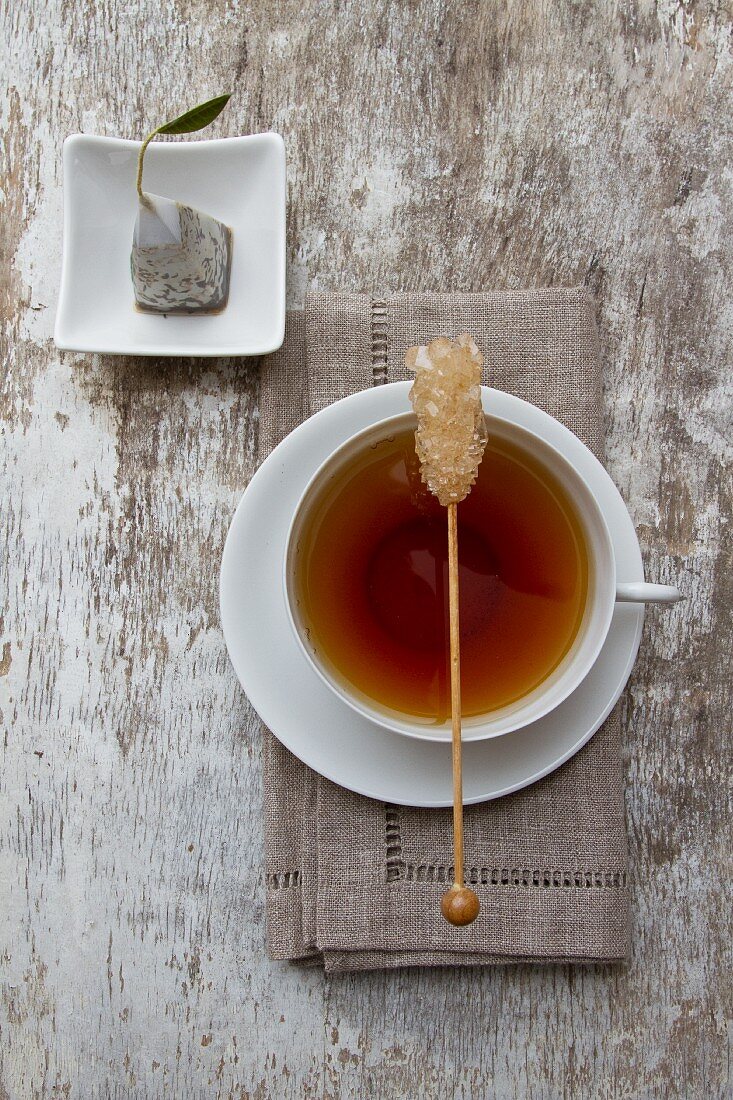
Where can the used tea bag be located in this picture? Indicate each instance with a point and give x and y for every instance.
(181, 258)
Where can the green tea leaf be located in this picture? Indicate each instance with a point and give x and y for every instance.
(196, 118)
(192, 120)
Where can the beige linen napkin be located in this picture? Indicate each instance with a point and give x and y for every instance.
(357, 883)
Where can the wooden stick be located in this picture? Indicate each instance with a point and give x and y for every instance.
(455, 693)
(459, 905)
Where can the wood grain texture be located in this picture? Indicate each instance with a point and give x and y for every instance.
(457, 145)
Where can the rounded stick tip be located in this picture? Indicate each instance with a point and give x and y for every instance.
(459, 905)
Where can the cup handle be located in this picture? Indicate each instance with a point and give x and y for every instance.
(641, 592)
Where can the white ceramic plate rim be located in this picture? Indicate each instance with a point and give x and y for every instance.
(194, 347)
(310, 720)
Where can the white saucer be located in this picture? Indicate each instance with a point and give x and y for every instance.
(240, 181)
(305, 714)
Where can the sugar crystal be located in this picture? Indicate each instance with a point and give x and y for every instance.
(451, 430)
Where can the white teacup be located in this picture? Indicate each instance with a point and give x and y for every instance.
(604, 591)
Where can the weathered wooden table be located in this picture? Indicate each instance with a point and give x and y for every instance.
(433, 145)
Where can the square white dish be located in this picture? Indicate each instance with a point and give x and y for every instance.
(240, 181)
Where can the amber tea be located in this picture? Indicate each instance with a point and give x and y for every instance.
(371, 579)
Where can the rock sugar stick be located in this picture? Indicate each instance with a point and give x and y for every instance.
(450, 441)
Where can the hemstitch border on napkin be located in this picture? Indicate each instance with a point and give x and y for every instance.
(379, 341)
(398, 869)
